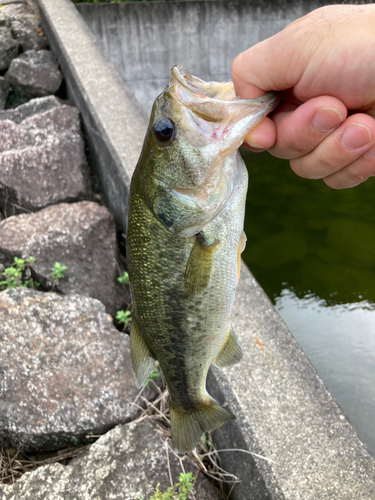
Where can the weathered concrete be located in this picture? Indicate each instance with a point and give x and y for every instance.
(144, 41)
(112, 118)
(284, 411)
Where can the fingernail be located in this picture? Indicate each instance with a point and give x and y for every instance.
(254, 146)
(326, 119)
(370, 153)
(356, 136)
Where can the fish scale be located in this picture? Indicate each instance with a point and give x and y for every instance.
(185, 236)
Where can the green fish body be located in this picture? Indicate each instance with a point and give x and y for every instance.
(184, 241)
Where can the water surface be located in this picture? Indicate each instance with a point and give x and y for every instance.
(312, 249)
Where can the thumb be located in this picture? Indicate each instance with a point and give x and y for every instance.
(268, 65)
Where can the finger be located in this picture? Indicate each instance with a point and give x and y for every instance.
(261, 137)
(300, 129)
(262, 68)
(342, 147)
(352, 175)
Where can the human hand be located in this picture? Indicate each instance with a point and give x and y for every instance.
(324, 64)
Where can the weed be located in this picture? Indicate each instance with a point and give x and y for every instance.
(17, 275)
(155, 374)
(57, 272)
(123, 317)
(179, 491)
(124, 279)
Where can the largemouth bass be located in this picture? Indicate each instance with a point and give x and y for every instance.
(184, 243)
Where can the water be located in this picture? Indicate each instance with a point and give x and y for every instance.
(312, 249)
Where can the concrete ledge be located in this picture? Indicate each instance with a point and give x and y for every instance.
(113, 120)
(284, 411)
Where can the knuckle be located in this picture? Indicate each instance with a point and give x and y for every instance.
(303, 167)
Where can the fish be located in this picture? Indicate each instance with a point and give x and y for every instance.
(184, 242)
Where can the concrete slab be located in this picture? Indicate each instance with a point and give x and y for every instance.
(113, 120)
(284, 413)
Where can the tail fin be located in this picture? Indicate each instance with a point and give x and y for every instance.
(187, 427)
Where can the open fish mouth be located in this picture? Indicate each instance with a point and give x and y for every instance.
(212, 111)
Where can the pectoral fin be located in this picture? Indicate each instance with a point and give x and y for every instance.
(142, 359)
(230, 351)
(198, 267)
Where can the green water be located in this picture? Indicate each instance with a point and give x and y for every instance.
(312, 249)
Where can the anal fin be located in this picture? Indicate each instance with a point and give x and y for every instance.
(198, 267)
(142, 359)
(230, 351)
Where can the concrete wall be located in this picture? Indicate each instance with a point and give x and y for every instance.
(144, 40)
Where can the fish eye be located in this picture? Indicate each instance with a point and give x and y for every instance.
(165, 130)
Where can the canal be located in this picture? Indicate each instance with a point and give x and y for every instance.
(312, 249)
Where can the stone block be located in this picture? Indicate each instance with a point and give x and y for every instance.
(8, 48)
(42, 157)
(81, 236)
(65, 370)
(125, 464)
(4, 89)
(34, 73)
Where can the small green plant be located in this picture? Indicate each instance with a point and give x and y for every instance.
(124, 279)
(57, 272)
(179, 491)
(123, 317)
(17, 275)
(155, 374)
(185, 483)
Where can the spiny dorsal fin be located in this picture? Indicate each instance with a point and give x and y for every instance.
(141, 356)
(187, 427)
(230, 351)
(198, 267)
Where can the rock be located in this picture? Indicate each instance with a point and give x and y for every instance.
(32, 107)
(42, 157)
(65, 370)
(29, 34)
(125, 464)
(34, 73)
(4, 89)
(8, 2)
(81, 236)
(8, 48)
